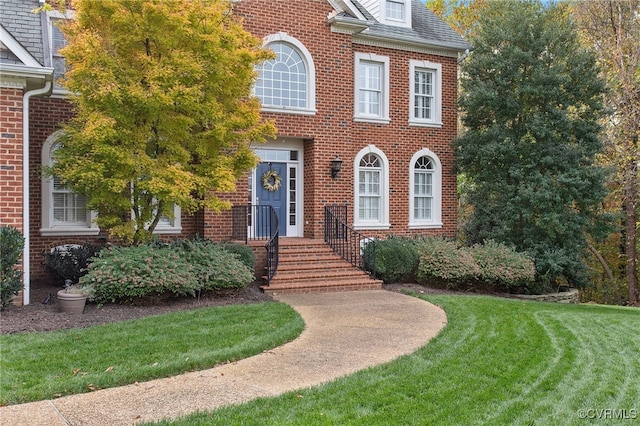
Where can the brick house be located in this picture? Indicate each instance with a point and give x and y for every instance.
(372, 83)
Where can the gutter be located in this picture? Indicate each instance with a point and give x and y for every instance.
(26, 261)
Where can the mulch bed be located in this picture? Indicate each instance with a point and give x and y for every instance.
(42, 313)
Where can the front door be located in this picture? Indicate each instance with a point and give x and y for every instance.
(271, 189)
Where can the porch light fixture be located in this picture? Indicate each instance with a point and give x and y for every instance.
(336, 165)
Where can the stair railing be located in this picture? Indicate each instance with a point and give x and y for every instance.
(347, 242)
(251, 222)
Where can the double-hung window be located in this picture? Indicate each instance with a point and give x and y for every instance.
(426, 94)
(64, 212)
(396, 12)
(371, 189)
(371, 88)
(425, 190)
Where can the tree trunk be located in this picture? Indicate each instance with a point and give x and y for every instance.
(631, 254)
(603, 262)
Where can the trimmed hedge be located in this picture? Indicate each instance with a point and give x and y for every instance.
(492, 265)
(442, 262)
(395, 258)
(180, 268)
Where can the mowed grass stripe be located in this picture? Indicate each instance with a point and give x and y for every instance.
(496, 362)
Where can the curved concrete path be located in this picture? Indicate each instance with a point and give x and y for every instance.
(345, 332)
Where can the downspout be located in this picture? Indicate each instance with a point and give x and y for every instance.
(26, 262)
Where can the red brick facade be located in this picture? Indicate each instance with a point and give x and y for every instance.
(11, 157)
(331, 131)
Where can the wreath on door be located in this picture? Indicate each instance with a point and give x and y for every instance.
(271, 180)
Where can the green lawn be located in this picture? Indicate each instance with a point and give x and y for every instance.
(36, 366)
(498, 362)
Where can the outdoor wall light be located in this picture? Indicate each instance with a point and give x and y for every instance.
(336, 165)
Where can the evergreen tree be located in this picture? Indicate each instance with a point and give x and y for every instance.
(164, 108)
(532, 99)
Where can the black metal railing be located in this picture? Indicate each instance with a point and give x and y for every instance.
(251, 223)
(347, 242)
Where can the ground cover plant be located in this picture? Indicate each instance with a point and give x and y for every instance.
(38, 366)
(498, 361)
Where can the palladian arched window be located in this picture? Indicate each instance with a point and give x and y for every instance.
(286, 82)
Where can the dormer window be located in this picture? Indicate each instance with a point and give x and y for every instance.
(396, 12)
(54, 41)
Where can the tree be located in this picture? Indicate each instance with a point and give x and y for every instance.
(613, 28)
(164, 112)
(532, 100)
(461, 15)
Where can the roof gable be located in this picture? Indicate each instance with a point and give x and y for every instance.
(17, 50)
(24, 27)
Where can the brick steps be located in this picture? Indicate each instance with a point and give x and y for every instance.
(309, 266)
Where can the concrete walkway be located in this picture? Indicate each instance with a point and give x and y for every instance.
(345, 332)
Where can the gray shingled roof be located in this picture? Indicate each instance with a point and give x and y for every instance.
(17, 18)
(427, 29)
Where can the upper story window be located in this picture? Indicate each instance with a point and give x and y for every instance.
(371, 189)
(63, 211)
(426, 94)
(371, 88)
(287, 82)
(54, 41)
(425, 190)
(396, 12)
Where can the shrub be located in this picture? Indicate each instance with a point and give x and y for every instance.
(11, 245)
(502, 266)
(442, 262)
(126, 273)
(70, 261)
(214, 265)
(243, 252)
(395, 258)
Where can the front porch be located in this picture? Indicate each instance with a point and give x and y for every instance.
(303, 265)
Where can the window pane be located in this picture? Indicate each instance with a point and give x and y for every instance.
(395, 10)
(423, 94)
(287, 71)
(370, 88)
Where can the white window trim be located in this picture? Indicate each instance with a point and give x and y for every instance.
(283, 37)
(384, 102)
(47, 31)
(384, 190)
(390, 21)
(437, 95)
(436, 217)
(176, 223)
(47, 225)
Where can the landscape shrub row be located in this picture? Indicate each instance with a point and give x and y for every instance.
(442, 262)
(179, 268)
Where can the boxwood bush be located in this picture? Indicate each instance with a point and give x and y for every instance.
(11, 245)
(395, 258)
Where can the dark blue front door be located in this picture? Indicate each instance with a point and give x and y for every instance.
(276, 199)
